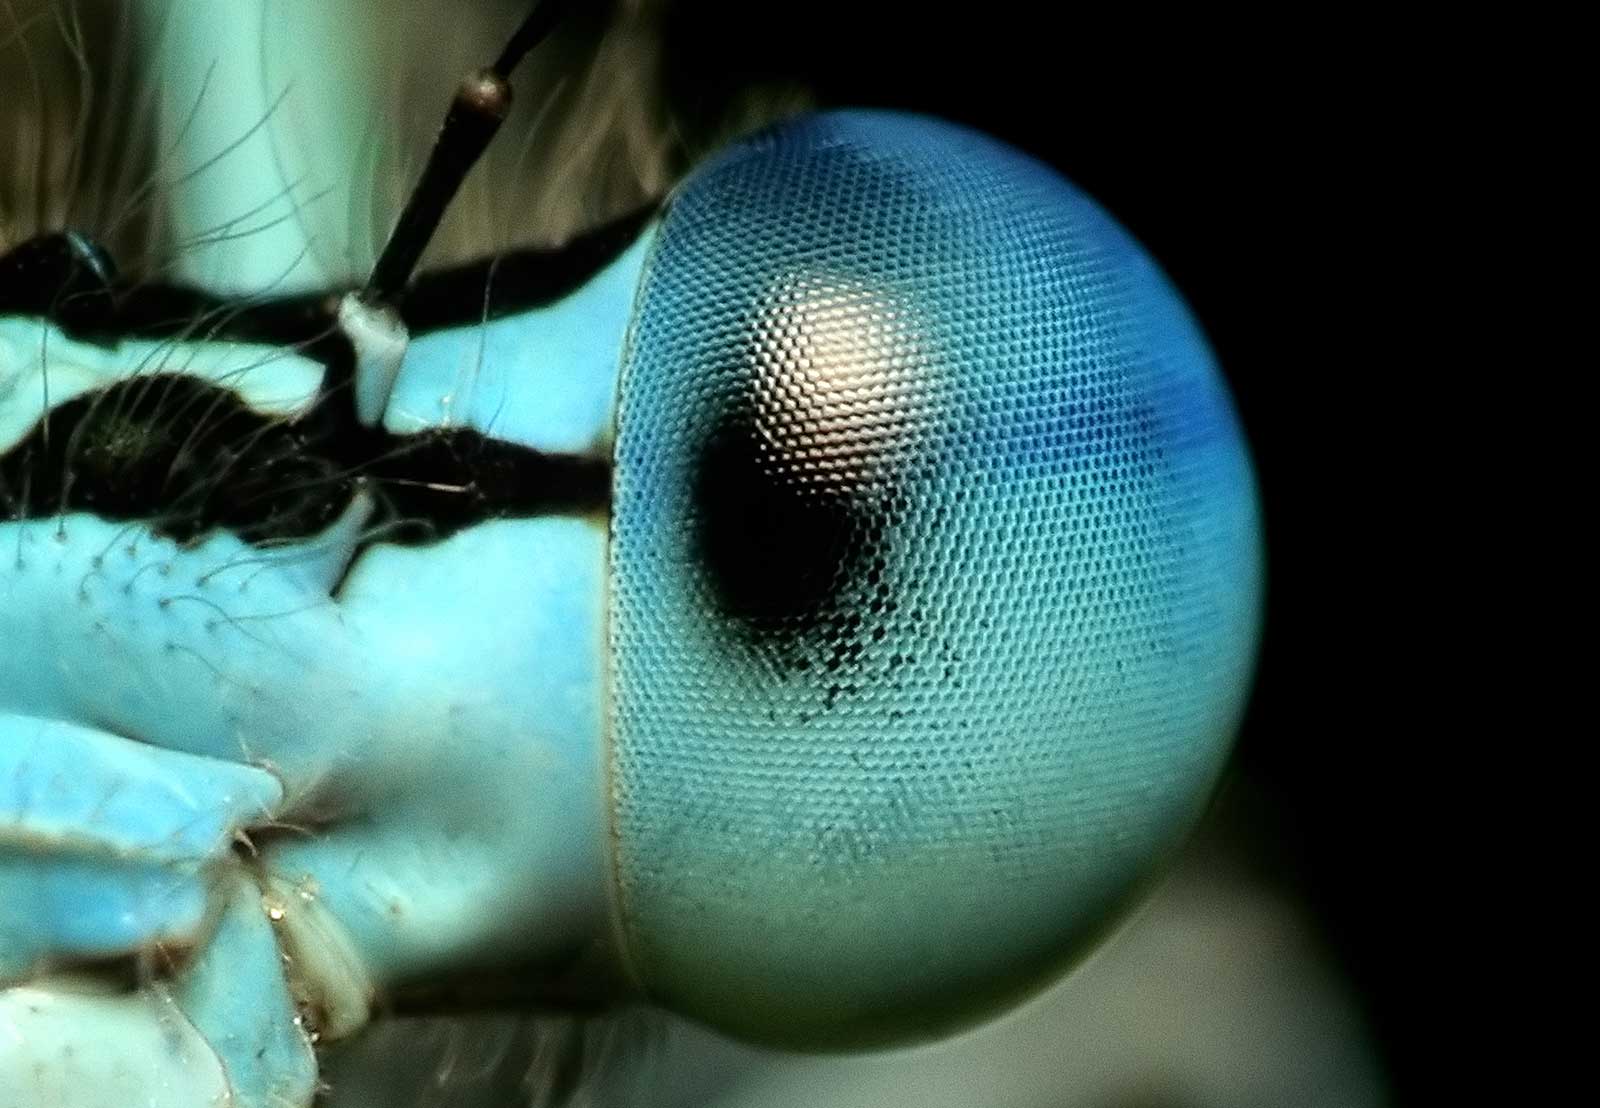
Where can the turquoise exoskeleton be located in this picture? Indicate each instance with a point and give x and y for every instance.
(904, 631)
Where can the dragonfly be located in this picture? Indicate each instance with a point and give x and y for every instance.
(813, 603)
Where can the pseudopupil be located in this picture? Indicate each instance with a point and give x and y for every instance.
(778, 540)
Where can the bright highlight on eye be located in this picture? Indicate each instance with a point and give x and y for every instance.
(933, 582)
(829, 601)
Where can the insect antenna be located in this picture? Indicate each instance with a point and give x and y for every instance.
(479, 108)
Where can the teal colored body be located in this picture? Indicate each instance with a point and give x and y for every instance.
(410, 772)
(913, 637)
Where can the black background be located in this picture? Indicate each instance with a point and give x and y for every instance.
(1254, 160)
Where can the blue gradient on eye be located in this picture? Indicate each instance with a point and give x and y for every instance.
(995, 735)
(873, 845)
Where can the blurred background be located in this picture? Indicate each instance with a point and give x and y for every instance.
(1272, 967)
(1276, 965)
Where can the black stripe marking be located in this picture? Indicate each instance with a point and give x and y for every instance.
(51, 277)
(191, 458)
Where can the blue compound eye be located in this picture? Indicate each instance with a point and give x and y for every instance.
(818, 602)
(934, 582)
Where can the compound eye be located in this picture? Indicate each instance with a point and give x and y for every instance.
(933, 582)
(796, 485)
(779, 543)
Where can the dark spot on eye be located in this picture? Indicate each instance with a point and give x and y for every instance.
(778, 543)
(794, 526)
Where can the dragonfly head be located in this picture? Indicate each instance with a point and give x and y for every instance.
(826, 616)
(934, 570)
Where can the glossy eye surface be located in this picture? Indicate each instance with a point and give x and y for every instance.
(934, 583)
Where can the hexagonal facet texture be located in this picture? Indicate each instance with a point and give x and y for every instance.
(935, 565)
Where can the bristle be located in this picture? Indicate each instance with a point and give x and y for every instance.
(270, 169)
(96, 138)
(589, 137)
(500, 1060)
(67, 160)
